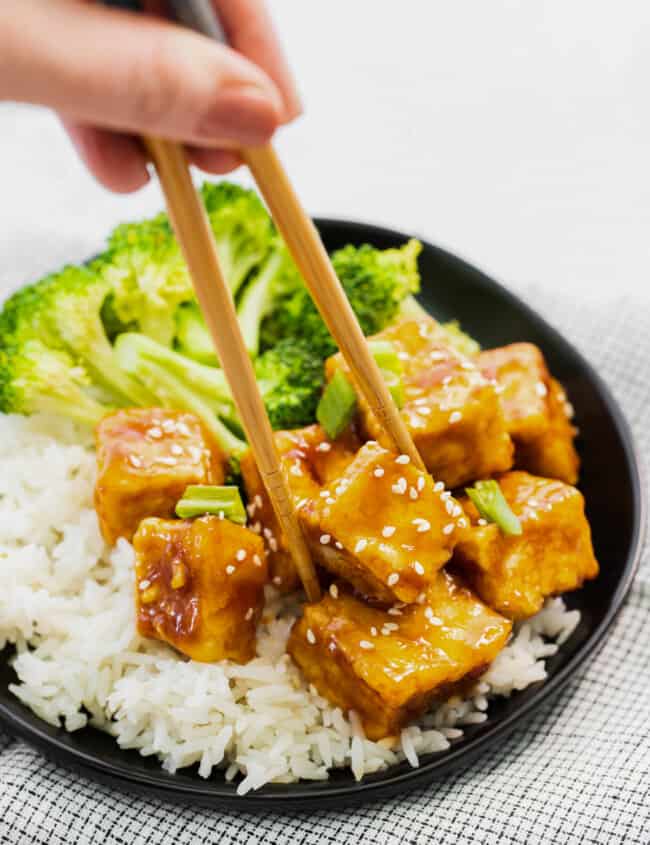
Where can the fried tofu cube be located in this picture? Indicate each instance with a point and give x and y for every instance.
(146, 457)
(554, 553)
(309, 459)
(384, 526)
(535, 408)
(450, 409)
(200, 586)
(389, 667)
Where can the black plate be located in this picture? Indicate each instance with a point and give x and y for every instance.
(610, 481)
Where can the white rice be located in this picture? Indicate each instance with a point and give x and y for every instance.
(66, 602)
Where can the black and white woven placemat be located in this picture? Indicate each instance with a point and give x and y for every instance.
(578, 772)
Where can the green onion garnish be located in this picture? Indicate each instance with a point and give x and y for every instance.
(200, 499)
(385, 354)
(490, 502)
(337, 405)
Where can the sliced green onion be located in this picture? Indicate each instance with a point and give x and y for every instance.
(337, 405)
(491, 504)
(200, 499)
(385, 354)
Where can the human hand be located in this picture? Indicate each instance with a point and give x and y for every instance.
(113, 75)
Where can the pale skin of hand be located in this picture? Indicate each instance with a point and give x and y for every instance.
(113, 76)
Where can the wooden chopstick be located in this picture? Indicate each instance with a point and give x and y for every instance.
(197, 242)
(314, 263)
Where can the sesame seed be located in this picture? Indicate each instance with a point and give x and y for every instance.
(482, 522)
(391, 626)
(176, 449)
(165, 461)
(182, 428)
(340, 489)
(249, 614)
(277, 580)
(449, 527)
(258, 501)
(373, 631)
(420, 484)
(144, 584)
(334, 591)
(462, 522)
(446, 495)
(541, 389)
(295, 470)
(257, 560)
(324, 539)
(330, 501)
(392, 579)
(250, 509)
(332, 646)
(425, 410)
(302, 503)
(168, 426)
(438, 356)
(273, 544)
(366, 644)
(438, 486)
(421, 598)
(394, 611)
(379, 471)
(324, 494)
(135, 461)
(311, 637)
(413, 493)
(457, 510)
(449, 506)
(230, 569)
(418, 567)
(421, 525)
(323, 447)
(402, 459)
(407, 547)
(256, 528)
(267, 533)
(155, 432)
(400, 486)
(241, 555)
(455, 417)
(434, 620)
(385, 631)
(467, 365)
(360, 546)
(338, 545)
(388, 531)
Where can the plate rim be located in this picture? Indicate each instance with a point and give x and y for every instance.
(21, 722)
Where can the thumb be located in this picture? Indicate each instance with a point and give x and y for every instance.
(133, 73)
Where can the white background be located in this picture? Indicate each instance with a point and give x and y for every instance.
(514, 133)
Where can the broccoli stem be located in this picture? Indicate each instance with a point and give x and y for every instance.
(193, 337)
(489, 501)
(222, 501)
(256, 302)
(172, 385)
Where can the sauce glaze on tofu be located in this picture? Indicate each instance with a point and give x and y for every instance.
(554, 554)
(451, 411)
(389, 666)
(146, 457)
(309, 459)
(537, 414)
(384, 526)
(200, 586)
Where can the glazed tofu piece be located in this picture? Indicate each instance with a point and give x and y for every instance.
(390, 666)
(200, 586)
(554, 554)
(384, 526)
(536, 411)
(309, 459)
(146, 457)
(451, 411)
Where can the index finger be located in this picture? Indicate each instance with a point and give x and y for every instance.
(250, 30)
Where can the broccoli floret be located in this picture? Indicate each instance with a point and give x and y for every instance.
(147, 277)
(291, 379)
(35, 378)
(375, 281)
(242, 228)
(63, 311)
(260, 293)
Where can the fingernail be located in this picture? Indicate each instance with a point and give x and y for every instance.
(245, 115)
